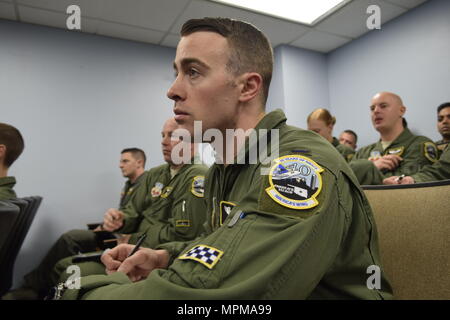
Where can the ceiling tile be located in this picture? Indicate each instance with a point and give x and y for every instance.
(350, 21)
(7, 11)
(154, 14)
(171, 40)
(278, 31)
(43, 17)
(406, 3)
(53, 19)
(88, 8)
(320, 41)
(128, 32)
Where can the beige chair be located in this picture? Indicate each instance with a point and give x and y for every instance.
(413, 224)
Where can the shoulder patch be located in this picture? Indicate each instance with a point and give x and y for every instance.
(206, 255)
(430, 151)
(397, 151)
(198, 186)
(295, 182)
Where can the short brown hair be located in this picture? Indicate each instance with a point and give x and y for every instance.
(137, 154)
(323, 115)
(250, 49)
(12, 139)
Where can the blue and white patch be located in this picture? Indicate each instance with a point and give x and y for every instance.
(198, 186)
(375, 154)
(206, 255)
(295, 182)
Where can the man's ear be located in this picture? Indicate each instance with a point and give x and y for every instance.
(2, 151)
(403, 110)
(251, 84)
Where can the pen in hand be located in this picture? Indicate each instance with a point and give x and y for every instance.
(400, 178)
(138, 244)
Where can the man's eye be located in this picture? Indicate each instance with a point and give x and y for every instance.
(193, 73)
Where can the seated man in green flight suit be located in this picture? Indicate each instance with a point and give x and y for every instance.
(443, 126)
(287, 222)
(398, 151)
(11, 147)
(167, 204)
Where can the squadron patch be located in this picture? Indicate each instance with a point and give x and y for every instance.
(374, 155)
(157, 189)
(225, 210)
(206, 255)
(198, 186)
(295, 182)
(398, 151)
(430, 151)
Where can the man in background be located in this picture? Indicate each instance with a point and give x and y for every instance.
(398, 151)
(349, 138)
(11, 147)
(443, 126)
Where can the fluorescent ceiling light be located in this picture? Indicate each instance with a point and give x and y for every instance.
(303, 11)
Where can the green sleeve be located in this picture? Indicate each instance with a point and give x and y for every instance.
(266, 254)
(366, 172)
(440, 170)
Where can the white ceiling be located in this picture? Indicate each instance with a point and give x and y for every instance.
(159, 21)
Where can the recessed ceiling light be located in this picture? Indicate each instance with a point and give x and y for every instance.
(307, 12)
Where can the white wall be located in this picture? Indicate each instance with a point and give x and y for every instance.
(304, 82)
(409, 56)
(78, 100)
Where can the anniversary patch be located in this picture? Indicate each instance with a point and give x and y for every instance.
(295, 182)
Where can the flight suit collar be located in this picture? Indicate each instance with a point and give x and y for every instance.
(335, 142)
(271, 120)
(7, 182)
(402, 138)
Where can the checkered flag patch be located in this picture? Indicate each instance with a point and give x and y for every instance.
(206, 255)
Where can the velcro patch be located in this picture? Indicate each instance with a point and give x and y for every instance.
(198, 186)
(157, 189)
(397, 151)
(206, 255)
(430, 151)
(295, 182)
(165, 193)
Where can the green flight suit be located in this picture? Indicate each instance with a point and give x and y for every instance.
(346, 151)
(440, 170)
(416, 151)
(176, 212)
(256, 247)
(441, 145)
(75, 241)
(6, 188)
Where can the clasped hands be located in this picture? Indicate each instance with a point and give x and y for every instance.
(137, 266)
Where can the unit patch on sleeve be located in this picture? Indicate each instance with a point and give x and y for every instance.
(295, 182)
(206, 255)
(198, 186)
(430, 151)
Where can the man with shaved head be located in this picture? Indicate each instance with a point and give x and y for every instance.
(398, 151)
